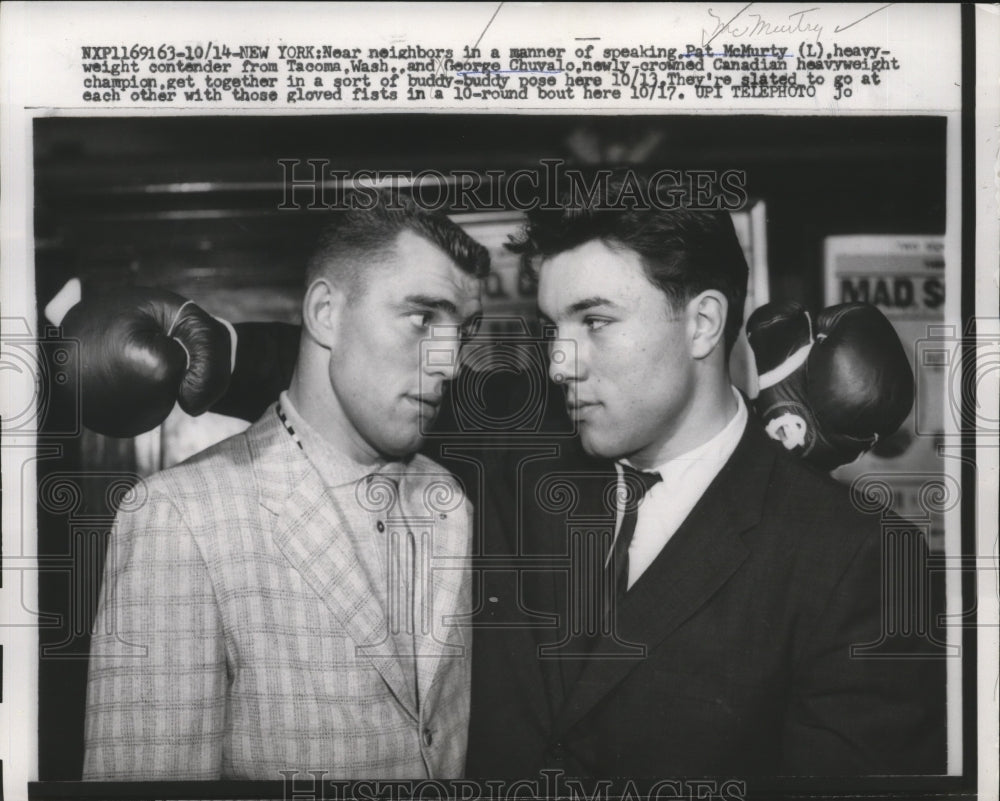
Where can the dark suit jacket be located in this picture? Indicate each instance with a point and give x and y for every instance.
(741, 633)
(734, 649)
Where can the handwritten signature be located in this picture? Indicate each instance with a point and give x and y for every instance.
(754, 24)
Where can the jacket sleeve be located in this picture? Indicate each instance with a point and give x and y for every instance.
(156, 693)
(868, 691)
(265, 359)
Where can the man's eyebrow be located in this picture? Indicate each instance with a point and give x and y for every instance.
(589, 303)
(432, 302)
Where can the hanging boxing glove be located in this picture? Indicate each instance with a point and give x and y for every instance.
(829, 391)
(141, 351)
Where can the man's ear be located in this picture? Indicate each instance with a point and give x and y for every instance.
(321, 309)
(706, 315)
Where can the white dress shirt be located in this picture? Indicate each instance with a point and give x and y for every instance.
(685, 479)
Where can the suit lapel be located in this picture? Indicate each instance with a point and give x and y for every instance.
(508, 519)
(695, 563)
(573, 536)
(338, 561)
(442, 538)
(522, 548)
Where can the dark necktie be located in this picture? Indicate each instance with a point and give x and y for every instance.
(637, 484)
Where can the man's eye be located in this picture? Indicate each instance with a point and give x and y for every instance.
(595, 323)
(420, 319)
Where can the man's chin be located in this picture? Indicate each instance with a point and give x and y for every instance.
(403, 450)
(398, 444)
(598, 447)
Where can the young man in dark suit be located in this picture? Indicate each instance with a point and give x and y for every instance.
(724, 631)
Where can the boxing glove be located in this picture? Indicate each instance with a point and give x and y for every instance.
(829, 391)
(141, 351)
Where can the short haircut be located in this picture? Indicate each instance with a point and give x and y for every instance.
(684, 251)
(357, 238)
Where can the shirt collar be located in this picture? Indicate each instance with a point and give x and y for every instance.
(722, 443)
(334, 467)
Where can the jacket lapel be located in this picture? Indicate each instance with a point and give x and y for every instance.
(574, 538)
(442, 534)
(695, 563)
(507, 539)
(336, 559)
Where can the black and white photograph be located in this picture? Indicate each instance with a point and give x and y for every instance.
(528, 448)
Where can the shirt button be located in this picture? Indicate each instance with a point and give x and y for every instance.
(428, 738)
(380, 526)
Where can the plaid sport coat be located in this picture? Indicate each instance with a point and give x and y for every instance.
(244, 627)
